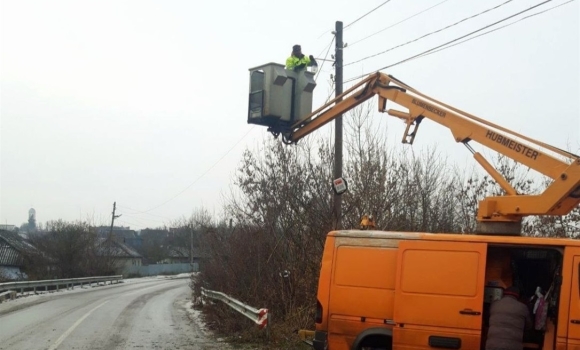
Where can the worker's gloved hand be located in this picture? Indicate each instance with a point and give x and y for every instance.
(297, 68)
(313, 61)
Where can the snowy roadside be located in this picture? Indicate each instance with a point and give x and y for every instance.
(32, 296)
(195, 316)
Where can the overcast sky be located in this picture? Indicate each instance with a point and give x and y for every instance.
(131, 101)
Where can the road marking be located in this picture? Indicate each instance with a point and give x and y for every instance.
(72, 328)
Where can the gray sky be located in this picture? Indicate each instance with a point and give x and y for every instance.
(131, 101)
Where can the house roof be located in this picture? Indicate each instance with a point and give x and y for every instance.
(181, 252)
(117, 249)
(12, 247)
(178, 252)
(117, 232)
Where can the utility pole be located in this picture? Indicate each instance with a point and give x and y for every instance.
(338, 78)
(191, 246)
(113, 219)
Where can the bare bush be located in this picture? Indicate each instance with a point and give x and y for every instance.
(69, 250)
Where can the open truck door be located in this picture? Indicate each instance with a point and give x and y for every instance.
(569, 313)
(439, 295)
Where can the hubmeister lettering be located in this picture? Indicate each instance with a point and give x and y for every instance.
(511, 144)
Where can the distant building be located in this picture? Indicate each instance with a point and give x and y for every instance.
(13, 253)
(154, 232)
(31, 220)
(123, 255)
(176, 255)
(121, 234)
(181, 255)
(10, 228)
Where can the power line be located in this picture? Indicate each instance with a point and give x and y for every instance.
(366, 14)
(454, 40)
(141, 218)
(139, 212)
(324, 60)
(396, 24)
(428, 34)
(493, 30)
(326, 47)
(200, 176)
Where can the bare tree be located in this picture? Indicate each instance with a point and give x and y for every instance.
(69, 250)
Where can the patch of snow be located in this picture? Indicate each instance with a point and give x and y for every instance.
(195, 316)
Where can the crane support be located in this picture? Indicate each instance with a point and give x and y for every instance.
(563, 167)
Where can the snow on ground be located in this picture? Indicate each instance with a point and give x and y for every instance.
(195, 316)
(77, 289)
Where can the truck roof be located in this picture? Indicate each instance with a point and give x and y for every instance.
(458, 237)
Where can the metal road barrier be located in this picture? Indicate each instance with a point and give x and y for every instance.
(55, 284)
(259, 316)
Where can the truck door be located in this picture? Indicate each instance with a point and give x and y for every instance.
(439, 295)
(571, 286)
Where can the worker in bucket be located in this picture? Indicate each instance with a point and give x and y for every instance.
(298, 61)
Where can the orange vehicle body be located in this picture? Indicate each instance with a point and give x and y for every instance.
(403, 290)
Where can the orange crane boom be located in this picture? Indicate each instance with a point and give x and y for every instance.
(506, 211)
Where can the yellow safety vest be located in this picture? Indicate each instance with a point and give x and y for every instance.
(294, 61)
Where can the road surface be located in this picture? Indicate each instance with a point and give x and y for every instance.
(143, 314)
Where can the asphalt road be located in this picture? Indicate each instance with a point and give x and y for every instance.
(143, 314)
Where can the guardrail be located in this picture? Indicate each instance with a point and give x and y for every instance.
(55, 284)
(259, 316)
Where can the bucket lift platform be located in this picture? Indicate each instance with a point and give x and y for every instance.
(279, 97)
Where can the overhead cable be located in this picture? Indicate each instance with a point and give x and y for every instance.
(454, 40)
(122, 207)
(200, 176)
(324, 60)
(429, 34)
(366, 14)
(396, 24)
(498, 28)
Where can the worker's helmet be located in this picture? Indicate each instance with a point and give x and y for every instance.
(296, 47)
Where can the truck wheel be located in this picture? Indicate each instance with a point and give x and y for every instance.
(376, 342)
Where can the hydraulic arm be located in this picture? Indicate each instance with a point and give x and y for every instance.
(504, 212)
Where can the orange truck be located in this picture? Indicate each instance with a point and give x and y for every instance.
(405, 290)
(408, 290)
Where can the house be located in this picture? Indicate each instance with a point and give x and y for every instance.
(13, 252)
(124, 256)
(7, 227)
(199, 256)
(176, 255)
(181, 255)
(121, 234)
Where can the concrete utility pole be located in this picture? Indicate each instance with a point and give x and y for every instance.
(338, 78)
(113, 219)
(191, 246)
